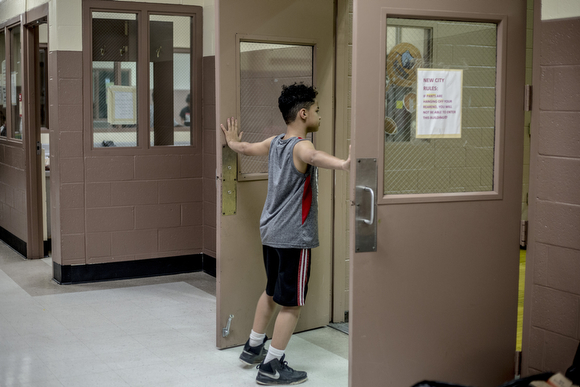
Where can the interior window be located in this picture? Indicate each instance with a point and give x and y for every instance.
(16, 83)
(439, 121)
(3, 118)
(171, 116)
(264, 69)
(114, 79)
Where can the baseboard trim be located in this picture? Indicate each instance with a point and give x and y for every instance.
(69, 274)
(13, 241)
(209, 265)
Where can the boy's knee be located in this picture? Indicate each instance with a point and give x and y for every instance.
(292, 309)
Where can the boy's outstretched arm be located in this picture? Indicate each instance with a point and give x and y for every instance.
(305, 153)
(234, 141)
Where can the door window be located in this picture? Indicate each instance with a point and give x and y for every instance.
(264, 69)
(439, 114)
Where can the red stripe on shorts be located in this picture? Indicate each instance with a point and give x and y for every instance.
(302, 275)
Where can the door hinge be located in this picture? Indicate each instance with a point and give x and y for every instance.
(528, 98)
(37, 147)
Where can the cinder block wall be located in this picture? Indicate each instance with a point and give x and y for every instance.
(552, 301)
(117, 207)
(13, 190)
(120, 206)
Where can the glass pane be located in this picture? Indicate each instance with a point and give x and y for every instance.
(16, 83)
(264, 69)
(3, 129)
(170, 112)
(43, 87)
(114, 73)
(439, 106)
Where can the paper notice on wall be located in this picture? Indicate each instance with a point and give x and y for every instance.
(13, 94)
(121, 105)
(439, 95)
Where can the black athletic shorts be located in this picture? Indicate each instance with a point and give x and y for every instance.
(288, 272)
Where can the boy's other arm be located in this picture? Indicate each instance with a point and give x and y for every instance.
(234, 141)
(305, 153)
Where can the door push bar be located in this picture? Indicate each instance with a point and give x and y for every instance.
(372, 218)
(365, 211)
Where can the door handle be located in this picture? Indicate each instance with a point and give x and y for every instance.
(365, 226)
(372, 218)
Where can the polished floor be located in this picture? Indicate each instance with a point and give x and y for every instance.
(148, 332)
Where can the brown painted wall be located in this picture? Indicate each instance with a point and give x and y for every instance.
(552, 303)
(66, 157)
(13, 189)
(110, 207)
(209, 155)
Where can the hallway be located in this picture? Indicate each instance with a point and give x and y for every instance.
(157, 331)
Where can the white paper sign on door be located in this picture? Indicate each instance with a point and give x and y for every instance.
(439, 95)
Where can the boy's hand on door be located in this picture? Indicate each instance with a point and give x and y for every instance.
(231, 133)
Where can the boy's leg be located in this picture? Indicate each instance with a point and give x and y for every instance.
(274, 370)
(254, 351)
(264, 311)
(285, 325)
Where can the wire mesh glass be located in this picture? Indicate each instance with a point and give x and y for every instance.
(114, 79)
(438, 165)
(264, 69)
(3, 123)
(16, 82)
(170, 109)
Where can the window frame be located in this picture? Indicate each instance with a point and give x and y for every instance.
(248, 38)
(142, 12)
(7, 28)
(500, 105)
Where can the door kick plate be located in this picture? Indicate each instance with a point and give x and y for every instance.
(366, 206)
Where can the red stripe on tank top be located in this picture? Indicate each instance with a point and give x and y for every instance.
(306, 199)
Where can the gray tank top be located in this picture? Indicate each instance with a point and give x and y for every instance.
(290, 215)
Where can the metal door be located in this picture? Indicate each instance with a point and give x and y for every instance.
(241, 190)
(437, 164)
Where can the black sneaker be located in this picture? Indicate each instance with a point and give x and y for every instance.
(276, 372)
(253, 355)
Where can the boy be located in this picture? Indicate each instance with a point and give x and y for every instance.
(288, 227)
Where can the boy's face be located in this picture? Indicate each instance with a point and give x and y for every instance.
(312, 118)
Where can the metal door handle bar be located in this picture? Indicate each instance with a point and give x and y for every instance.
(372, 219)
(226, 330)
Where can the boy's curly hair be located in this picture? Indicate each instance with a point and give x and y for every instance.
(294, 98)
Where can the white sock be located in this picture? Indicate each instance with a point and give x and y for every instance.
(256, 338)
(273, 353)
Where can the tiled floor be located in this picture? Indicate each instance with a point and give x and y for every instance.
(148, 332)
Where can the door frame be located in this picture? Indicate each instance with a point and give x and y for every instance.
(31, 130)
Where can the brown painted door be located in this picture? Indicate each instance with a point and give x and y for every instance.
(260, 45)
(437, 139)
